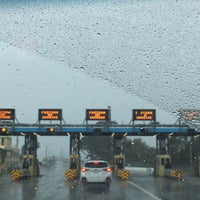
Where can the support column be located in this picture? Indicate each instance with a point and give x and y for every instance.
(30, 161)
(118, 145)
(75, 144)
(119, 158)
(162, 145)
(163, 160)
(74, 164)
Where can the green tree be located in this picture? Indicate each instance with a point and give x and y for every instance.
(98, 147)
(183, 150)
(179, 150)
(138, 153)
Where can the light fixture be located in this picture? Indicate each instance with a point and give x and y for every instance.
(68, 134)
(36, 134)
(113, 134)
(196, 136)
(125, 134)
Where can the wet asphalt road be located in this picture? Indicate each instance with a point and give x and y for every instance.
(52, 185)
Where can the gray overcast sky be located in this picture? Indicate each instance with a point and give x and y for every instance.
(30, 82)
(148, 48)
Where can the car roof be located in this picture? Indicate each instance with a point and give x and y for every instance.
(91, 161)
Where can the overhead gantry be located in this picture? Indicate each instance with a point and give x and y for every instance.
(104, 126)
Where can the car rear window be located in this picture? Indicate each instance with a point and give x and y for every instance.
(96, 165)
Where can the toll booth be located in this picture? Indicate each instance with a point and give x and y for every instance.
(118, 163)
(198, 167)
(30, 166)
(163, 168)
(74, 165)
(163, 160)
(27, 162)
(119, 169)
(75, 162)
(162, 163)
(119, 158)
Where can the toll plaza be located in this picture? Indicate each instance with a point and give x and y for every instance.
(30, 165)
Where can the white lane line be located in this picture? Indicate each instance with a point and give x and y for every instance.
(193, 182)
(60, 185)
(145, 191)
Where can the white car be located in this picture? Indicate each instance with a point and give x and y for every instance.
(96, 171)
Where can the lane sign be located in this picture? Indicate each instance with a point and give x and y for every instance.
(7, 114)
(144, 114)
(50, 114)
(97, 114)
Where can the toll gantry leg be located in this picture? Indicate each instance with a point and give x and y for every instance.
(198, 171)
(196, 167)
(163, 160)
(162, 144)
(30, 165)
(30, 161)
(74, 160)
(119, 158)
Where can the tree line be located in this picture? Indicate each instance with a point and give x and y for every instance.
(183, 150)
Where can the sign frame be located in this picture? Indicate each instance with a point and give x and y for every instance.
(97, 114)
(49, 114)
(144, 114)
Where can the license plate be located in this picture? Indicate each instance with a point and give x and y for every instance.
(95, 170)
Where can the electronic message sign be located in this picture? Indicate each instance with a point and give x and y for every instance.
(7, 114)
(50, 114)
(97, 114)
(190, 114)
(144, 115)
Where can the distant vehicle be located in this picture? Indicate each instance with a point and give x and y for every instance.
(96, 171)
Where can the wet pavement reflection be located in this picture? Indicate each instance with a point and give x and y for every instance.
(53, 185)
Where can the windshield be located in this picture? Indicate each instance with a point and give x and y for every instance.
(108, 80)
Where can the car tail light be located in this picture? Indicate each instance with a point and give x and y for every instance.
(108, 169)
(96, 162)
(84, 169)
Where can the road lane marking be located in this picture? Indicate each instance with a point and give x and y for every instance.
(145, 191)
(60, 185)
(189, 181)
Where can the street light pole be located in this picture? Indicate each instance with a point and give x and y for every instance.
(191, 153)
(46, 155)
(191, 159)
(47, 152)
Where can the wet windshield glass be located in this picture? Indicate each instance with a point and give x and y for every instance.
(100, 80)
